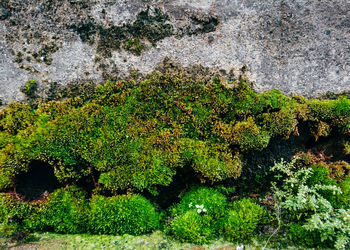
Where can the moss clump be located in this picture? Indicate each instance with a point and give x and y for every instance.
(134, 45)
(30, 88)
(242, 220)
(149, 25)
(128, 137)
(197, 218)
(203, 24)
(125, 214)
(45, 52)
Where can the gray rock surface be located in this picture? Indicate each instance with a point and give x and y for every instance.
(298, 46)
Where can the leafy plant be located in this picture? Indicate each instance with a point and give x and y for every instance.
(296, 195)
(301, 194)
(333, 226)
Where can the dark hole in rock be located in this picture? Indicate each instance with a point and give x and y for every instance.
(184, 179)
(37, 182)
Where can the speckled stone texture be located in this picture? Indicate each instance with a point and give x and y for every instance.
(297, 46)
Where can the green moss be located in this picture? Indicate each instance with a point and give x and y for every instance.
(347, 147)
(242, 220)
(134, 45)
(298, 234)
(30, 88)
(137, 137)
(128, 214)
(197, 218)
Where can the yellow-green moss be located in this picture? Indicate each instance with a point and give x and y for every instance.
(137, 137)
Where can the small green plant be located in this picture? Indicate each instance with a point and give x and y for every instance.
(333, 226)
(242, 220)
(30, 88)
(134, 45)
(306, 196)
(125, 214)
(298, 194)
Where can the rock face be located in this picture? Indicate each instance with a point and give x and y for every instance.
(298, 46)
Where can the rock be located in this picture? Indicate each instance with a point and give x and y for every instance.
(4, 13)
(299, 47)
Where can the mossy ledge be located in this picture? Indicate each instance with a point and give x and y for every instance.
(177, 155)
(124, 137)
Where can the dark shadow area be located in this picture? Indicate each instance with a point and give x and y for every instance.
(331, 146)
(39, 180)
(256, 175)
(184, 179)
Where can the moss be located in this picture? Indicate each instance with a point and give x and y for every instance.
(149, 25)
(249, 136)
(339, 170)
(136, 137)
(45, 52)
(30, 89)
(86, 31)
(110, 39)
(347, 147)
(19, 57)
(203, 24)
(134, 45)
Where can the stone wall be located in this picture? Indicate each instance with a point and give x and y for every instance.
(298, 46)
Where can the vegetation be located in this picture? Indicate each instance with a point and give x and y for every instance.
(242, 220)
(65, 211)
(120, 148)
(131, 214)
(198, 217)
(150, 25)
(304, 198)
(30, 88)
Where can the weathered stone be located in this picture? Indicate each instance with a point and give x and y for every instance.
(300, 47)
(3, 13)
